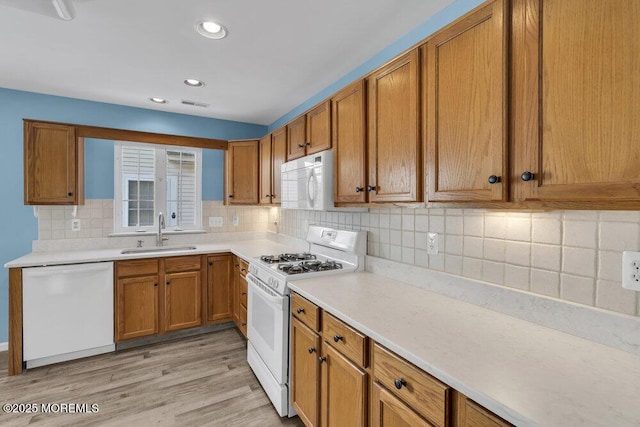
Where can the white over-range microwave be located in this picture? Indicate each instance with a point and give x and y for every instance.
(307, 183)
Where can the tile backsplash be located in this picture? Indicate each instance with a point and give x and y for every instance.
(572, 255)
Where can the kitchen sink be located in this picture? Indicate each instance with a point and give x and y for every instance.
(160, 249)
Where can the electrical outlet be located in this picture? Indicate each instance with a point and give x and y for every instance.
(235, 220)
(432, 243)
(215, 221)
(75, 225)
(631, 270)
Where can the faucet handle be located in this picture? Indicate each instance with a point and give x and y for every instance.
(139, 243)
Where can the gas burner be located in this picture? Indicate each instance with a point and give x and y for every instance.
(313, 265)
(329, 265)
(304, 256)
(270, 259)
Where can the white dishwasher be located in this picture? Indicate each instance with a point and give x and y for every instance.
(67, 312)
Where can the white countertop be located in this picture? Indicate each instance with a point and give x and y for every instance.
(245, 249)
(528, 374)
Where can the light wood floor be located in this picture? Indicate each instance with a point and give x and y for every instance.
(198, 381)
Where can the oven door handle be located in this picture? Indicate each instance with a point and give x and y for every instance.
(277, 299)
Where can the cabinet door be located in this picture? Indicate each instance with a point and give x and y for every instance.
(278, 157)
(296, 138)
(136, 307)
(467, 104)
(53, 165)
(242, 173)
(576, 81)
(344, 388)
(395, 154)
(319, 128)
(234, 292)
(389, 411)
(305, 377)
(182, 300)
(219, 284)
(348, 126)
(266, 171)
(470, 414)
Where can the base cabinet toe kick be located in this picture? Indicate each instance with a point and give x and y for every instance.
(342, 377)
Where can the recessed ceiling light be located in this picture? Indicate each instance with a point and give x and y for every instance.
(211, 30)
(158, 100)
(194, 82)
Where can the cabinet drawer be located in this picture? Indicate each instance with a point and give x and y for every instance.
(243, 266)
(242, 290)
(137, 267)
(344, 338)
(419, 390)
(306, 311)
(243, 320)
(182, 263)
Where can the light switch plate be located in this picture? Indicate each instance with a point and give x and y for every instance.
(631, 270)
(215, 221)
(432, 243)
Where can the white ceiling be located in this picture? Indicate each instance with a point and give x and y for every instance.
(278, 53)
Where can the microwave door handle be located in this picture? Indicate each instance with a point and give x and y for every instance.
(311, 189)
(273, 299)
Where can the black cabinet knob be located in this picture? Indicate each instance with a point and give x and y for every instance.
(168, 283)
(230, 196)
(155, 284)
(527, 176)
(494, 179)
(371, 187)
(210, 263)
(359, 189)
(69, 194)
(300, 310)
(311, 350)
(301, 145)
(337, 338)
(322, 359)
(399, 383)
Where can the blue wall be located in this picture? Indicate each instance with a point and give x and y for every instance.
(18, 227)
(439, 20)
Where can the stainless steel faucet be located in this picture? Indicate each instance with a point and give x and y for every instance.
(159, 239)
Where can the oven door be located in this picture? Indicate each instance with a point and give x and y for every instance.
(268, 327)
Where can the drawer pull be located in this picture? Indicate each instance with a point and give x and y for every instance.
(300, 310)
(322, 359)
(399, 383)
(311, 350)
(337, 338)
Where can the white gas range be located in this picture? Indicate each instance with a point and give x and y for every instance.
(330, 252)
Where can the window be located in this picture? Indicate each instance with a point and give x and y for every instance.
(150, 179)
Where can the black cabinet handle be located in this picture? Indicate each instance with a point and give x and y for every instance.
(399, 383)
(359, 189)
(322, 359)
(337, 338)
(371, 187)
(300, 310)
(307, 144)
(527, 176)
(311, 350)
(494, 179)
(244, 293)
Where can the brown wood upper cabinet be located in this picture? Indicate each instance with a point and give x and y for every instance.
(310, 133)
(576, 85)
(273, 151)
(349, 133)
(466, 107)
(395, 152)
(242, 173)
(53, 164)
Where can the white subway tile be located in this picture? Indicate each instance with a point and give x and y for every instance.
(577, 289)
(517, 277)
(518, 228)
(385, 251)
(436, 224)
(495, 226)
(494, 250)
(472, 268)
(579, 261)
(621, 216)
(408, 221)
(453, 264)
(396, 253)
(581, 215)
(421, 258)
(374, 220)
(619, 236)
(580, 233)
(454, 225)
(545, 257)
(384, 221)
(408, 255)
(408, 239)
(472, 246)
(518, 253)
(610, 266)
(422, 223)
(395, 237)
(545, 282)
(453, 245)
(436, 262)
(474, 225)
(384, 235)
(421, 241)
(612, 296)
(546, 230)
(44, 234)
(395, 222)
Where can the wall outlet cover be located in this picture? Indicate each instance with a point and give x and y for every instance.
(432, 243)
(75, 225)
(631, 270)
(216, 221)
(236, 220)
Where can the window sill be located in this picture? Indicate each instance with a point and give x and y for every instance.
(153, 233)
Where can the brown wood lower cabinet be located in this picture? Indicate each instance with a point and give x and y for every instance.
(136, 307)
(219, 288)
(182, 300)
(240, 294)
(339, 377)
